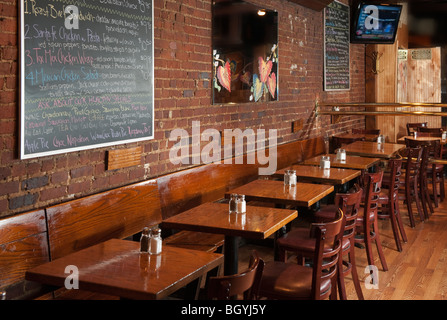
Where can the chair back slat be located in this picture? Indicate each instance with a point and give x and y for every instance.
(328, 244)
(245, 282)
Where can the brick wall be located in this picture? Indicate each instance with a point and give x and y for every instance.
(183, 84)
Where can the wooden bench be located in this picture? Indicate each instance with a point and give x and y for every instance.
(118, 213)
(36, 237)
(23, 245)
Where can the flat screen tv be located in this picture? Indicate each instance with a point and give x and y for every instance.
(375, 23)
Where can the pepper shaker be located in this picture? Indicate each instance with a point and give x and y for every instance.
(144, 240)
(233, 203)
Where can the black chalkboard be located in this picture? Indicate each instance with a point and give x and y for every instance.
(336, 47)
(86, 74)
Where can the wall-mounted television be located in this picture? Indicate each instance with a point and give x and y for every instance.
(375, 23)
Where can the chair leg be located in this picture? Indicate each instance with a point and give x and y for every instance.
(427, 196)
(368, 247)
(341, 279)
(435, 189)
(399, 221)
(409, 206)
(379, 246)
(394, 227)
(282, 255)
(442, 188)
(354, 274)
(418, 201)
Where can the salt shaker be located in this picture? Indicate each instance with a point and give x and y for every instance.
(241, 204)
(233, 203)
(155, 243)
(381, 139)
(292, 178)
(325, 163)
(444, 135)
(341, 154)
(144, 240)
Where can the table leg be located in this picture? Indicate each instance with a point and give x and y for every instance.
(231, 254)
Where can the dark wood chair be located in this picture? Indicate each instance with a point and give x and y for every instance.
(389, 201)
(412, 127)
(245, 283)
(437, 135)
(423, 181)
(428, 134)
(349, 203)
(411, 181)
(435, 172)
(291, 281)
(299, 242)
(429, 130)
(367, 229)
(366, 131)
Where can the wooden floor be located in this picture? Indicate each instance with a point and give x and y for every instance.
(419, 272)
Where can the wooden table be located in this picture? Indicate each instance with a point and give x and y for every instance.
(402, 139)
(332, 175)
(372, 149)
(368, 137)
(351, 162)
(116, 267)
(256, 223)
(303, 195)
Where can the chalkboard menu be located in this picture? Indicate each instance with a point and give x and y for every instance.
(86, 74)
(336, 47)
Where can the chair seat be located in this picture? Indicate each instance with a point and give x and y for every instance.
(298, 240)
(288, 281)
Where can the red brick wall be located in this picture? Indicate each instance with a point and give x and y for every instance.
(183, 84)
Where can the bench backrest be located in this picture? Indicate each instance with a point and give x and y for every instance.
(23, 245)
(312, 147)
(118, 213)
(183, 190)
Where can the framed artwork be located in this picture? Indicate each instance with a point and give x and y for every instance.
(245, 53)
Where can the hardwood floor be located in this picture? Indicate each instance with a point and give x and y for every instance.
(419, 272)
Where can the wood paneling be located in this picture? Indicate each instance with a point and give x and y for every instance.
(118, 213)
(23, 245)
(419, 80)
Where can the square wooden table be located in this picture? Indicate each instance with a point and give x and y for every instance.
(373, 149)
(116, 267)
(273, 191)
(402, 139)
(256, 223)
(351, 162)
(337, 176)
